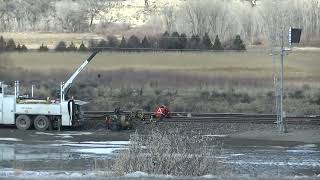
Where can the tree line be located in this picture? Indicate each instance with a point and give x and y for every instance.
(174, 41)
(10, 46)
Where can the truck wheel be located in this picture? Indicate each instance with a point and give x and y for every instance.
(41, 123)
(23, 122)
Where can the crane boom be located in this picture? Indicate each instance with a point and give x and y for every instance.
(66, 86)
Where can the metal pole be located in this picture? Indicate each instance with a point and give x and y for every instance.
(32, 91)
(274, 76)
(282, 123)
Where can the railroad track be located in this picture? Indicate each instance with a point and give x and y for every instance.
(184, 117)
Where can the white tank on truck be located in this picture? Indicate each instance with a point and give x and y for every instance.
(41, 114)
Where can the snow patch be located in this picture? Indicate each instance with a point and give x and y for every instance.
(307, 146)
(275, 163)
(98, 151)
(215, 135)
(43, 133)
(208, 176)
(92, 145)
(234, 155)
(106, 142)
(9, 172)
(66, 137)
(137, 174)
(10, 139)
(301, 151)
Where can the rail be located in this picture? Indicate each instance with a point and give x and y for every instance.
(185, 117)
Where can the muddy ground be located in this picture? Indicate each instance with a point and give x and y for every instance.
(241, 133)
(250, 150)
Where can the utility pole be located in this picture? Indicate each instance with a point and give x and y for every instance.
(283, 128)
(294, 37)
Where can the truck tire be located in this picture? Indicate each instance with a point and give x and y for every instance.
(23, 122)
(41, 123)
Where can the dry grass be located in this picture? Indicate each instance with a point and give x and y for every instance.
(169, 153)
(33, 40)
(256, 64)
(197, 82)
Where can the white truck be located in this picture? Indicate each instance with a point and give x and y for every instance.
(26, 113)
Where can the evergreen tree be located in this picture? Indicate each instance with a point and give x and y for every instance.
(19, 47)
(113, 42)
(133, 42)
(72, 47)
(217, 44)
(206, 41)
(238, 44)
(123, 43)
(93, 44)
(11, 45)
(164, 41)
(183, 41)
(145, 43)
(174, 41)
(61, 47)
(103, 45)
(2, 44)
(82, 47)
(195, 42)
(24, 48)
(43, 48)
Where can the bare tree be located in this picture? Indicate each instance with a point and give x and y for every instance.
(94, 8)
(70, 16)
(169, 15)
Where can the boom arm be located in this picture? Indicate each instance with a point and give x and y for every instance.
(66, 86)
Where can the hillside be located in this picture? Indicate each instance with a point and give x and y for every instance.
(137, 12)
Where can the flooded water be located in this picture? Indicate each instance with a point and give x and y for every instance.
(90, 154)
(68, 156)
(280, 161)
(88, 157)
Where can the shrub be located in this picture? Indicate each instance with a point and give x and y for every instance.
(170, 153)
(61, 47)
(72, 47)
(82, 47)
(43, 48)
(296, 94)
(11, 45)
